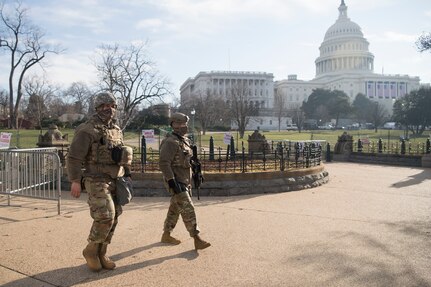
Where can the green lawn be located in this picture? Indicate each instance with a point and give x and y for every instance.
(29, 138)
(326, 135)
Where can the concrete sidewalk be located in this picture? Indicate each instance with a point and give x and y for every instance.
(369, 226)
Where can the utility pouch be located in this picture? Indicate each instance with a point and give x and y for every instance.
(124, 192)
(116, 154)
(126, 155)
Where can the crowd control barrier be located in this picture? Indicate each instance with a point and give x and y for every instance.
(33, 173)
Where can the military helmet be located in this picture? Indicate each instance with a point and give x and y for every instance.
(104, 98)
(178, 118)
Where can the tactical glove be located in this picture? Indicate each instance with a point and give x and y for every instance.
(174, 185)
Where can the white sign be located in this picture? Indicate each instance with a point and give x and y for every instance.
(5, 140)
(365, 140)
(149, 136)
(227, 137)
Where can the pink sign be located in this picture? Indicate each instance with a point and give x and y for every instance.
(5, 140)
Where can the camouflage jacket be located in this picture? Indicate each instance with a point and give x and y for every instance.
(91, 149)
(175, 154)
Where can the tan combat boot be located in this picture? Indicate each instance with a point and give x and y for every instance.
(104, 260)
(200, 244)
(91, 254)
(167, 238)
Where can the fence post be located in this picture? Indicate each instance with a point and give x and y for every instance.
(143, 153)
(360, 145)
(220, 159)
(328, 152)
(282, 157)
(428, 146)
(306, 155)
(232, 148)
(403, 146)
(211, 156)
(243, 158)
(288, 154)
(380, 145)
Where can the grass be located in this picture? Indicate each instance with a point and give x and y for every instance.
(329, 136)
(29, 138)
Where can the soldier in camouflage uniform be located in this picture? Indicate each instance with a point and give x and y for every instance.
(98, 148)
(175, 154)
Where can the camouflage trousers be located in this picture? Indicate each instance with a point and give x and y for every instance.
(181, 203)
(103, 208)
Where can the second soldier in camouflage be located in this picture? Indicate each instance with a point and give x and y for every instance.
(175, 154)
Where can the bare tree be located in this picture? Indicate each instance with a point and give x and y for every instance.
(4, 102)
(131, 76)
(25, 47)
(379, 114)
(241, 107)
(175, 104)
(58, 107)
(81, 95)
(108, 66)
(297, 115)
(423, 43)
(209, 107)
(279, 107)
(40, 93)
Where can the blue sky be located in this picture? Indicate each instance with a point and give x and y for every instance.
(188, 36)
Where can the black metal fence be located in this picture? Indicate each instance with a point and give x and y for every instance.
(283, 156)
(399, 147)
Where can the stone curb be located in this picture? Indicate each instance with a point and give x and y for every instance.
(231, 184)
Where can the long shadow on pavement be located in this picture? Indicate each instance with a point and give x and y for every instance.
(71, 276)
(414, 179)
(354, 259)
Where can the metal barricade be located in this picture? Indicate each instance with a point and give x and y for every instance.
(34, 173)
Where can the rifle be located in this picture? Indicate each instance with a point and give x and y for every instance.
(198, 178)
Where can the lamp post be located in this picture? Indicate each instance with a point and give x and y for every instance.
(193, 112)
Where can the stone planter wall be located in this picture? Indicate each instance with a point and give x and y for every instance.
(380, 158)
(223, 184)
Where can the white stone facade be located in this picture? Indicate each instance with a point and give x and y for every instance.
(259, 84)
(345, 63)
(265, 123)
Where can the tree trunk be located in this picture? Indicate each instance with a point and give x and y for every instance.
(12, 119)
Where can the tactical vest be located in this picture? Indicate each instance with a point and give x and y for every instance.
(183, 157)
(181, 154)
(109, 140)
(108, 155)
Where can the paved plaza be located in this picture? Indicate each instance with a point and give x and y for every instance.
(370, 225)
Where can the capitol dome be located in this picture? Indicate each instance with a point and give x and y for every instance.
(344, 48)
(342, 28)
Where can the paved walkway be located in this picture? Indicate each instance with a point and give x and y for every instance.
(369, 226)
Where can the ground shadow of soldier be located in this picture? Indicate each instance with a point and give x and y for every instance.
(413, 179)
(71, 276)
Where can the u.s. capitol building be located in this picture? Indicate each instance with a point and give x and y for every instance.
(345, 63)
